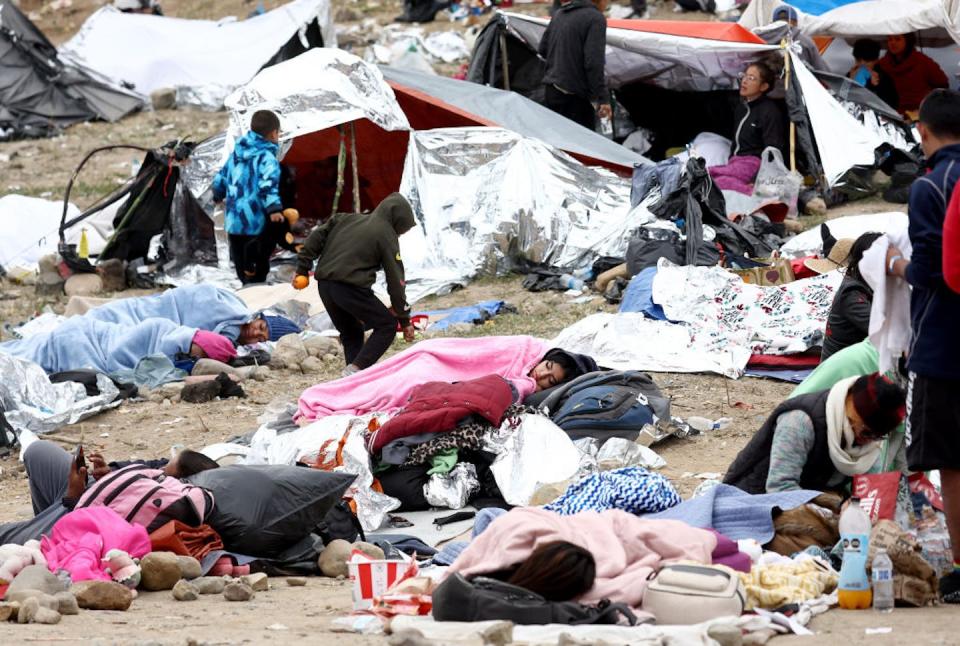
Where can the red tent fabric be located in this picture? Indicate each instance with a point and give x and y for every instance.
(729, 32)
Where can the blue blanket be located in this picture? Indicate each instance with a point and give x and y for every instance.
(473, 314)
(735, 513)
(204, 307)
(82, 342)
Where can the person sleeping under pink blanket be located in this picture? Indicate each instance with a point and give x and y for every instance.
(626, 549)
(525, 361)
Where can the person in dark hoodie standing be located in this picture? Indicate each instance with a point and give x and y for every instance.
(574, 49)
(250, 184)
(849, 319)
(349, 249)
(933, 407)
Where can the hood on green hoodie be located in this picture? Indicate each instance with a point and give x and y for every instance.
(396, 210)
(253, 145)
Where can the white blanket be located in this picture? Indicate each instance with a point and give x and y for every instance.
(889, 329)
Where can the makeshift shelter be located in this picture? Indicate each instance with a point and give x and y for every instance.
(204, 60)
(936, 24)
(440, 102)
(38, 94)
(679, 78)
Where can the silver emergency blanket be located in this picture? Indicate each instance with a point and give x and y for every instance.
(716, 322)
(520, 468)
(452, 490)
(203, 59)
(30, 401)
(485, 198)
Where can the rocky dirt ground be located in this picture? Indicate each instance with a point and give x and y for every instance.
(149, 428)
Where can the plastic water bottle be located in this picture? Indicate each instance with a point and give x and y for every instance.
(571, 282)
(704, 424)
(882, 581)
(853, 591)
(584, 274)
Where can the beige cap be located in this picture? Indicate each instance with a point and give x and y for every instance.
(836, 259)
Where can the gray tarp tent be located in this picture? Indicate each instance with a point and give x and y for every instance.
(38, 94)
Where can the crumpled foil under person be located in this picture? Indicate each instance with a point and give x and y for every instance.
(452, 489)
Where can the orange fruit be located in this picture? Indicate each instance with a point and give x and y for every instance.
(300, 282)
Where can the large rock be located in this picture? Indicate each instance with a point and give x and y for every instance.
(83, 285)
(102, 595)
(238, 591)
(185, 591)
(35, 577)
(189, 567)
(164, 98)
(290, 351)
(159, 571)
(311, 365)
(317, 346)
(333, 558)
(370, 550)
(209, 584)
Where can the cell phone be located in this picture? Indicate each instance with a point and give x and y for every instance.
(78, 457)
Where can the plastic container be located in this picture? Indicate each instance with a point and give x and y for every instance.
(584, 274)
(571, 282)
(882, 569)
(703, 424)
(853, 591)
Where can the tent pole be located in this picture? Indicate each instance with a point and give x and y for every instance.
(786, 85)
(341, 162)
(353, 164)
(504, 64)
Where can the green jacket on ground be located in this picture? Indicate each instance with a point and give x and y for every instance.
(351, 247)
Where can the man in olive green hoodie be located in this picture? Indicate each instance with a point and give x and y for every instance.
(351, 248)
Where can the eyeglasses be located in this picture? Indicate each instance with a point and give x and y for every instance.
(748, 77)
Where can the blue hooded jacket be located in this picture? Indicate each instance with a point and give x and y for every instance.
(934, 308)
(250, 183)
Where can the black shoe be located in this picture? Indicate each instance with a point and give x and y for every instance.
(950, 587)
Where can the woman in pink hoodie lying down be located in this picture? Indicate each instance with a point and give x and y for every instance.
(527, 362)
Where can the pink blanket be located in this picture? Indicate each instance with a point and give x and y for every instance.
(80, 540)
(386, 386)
(737, 174)
(626, 548)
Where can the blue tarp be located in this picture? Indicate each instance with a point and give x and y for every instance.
(468, 314)
(819, 7)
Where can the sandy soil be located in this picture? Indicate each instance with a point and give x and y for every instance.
(144, 429)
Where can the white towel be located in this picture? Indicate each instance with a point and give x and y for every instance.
(889, 330)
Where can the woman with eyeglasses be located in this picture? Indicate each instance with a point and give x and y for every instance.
(820, 440)
(759, 123)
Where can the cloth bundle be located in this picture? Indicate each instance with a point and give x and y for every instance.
(771, 586)
(631, 489)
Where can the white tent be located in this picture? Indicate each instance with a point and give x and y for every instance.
(204, 59)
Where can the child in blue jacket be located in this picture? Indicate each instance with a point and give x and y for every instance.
(250, 184)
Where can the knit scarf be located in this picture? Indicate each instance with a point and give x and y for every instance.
(849, 460)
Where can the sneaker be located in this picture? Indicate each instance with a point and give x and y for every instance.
(950, 587)
(349, 370)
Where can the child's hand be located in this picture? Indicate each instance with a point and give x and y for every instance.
(276, 217)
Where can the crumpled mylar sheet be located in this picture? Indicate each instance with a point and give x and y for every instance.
(318, 444)
(452, 489)
(30, 401)
(487, 198)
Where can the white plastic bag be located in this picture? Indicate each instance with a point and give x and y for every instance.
(777, 182)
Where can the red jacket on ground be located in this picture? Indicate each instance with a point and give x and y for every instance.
(438, 406)
(914, 76)
(951, 243)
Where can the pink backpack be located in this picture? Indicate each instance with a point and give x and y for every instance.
(148, 497)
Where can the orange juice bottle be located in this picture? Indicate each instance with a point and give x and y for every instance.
(853, 591)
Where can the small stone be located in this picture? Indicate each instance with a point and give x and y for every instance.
(257, 581)
(296, 581)
(200, 392)
(370, 550)
(311, 365)
(319, 346)
(209, 584)
(49, 284)
(48, 263)
(46, 616)
(331, 358)
(35, 577)
(261, 373)
(185, 591)
(164, 98)
(28, 610)
(67, 603)
(189, 567)
(22, 595)
(159, 571)
(113, 275)
(83, 285)
(333, 558)
(238, 591)
(290, 351)
(48, 601)
(102, 595)
(6, 611)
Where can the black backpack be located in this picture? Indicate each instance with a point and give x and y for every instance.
(483, 599)
(605, 404)
(340, 522)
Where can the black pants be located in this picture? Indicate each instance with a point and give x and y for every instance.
(571, 106)
(354, 310)
(251, 256)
